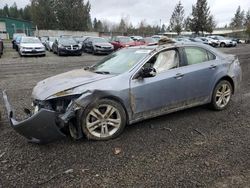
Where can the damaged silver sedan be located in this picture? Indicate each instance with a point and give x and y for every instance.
(128, 86)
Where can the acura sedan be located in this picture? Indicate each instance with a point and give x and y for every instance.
(130, 85)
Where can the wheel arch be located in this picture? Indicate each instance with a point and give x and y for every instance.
(229, 79)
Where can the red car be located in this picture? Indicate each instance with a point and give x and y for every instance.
(122, 41)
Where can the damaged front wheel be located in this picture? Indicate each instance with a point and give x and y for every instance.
(103, 120)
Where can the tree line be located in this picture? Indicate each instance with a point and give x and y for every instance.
(75, 15)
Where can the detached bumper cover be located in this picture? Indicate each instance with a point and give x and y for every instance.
(39, 128)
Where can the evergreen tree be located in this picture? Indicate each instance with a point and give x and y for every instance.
(122, 26)
(13, 12)
(27, 13)
(177, 19)
(43, 14)
(201, 20)
(95, 24)
(6, 11)
(247, 23)
(238, 19)
(61, 14)
(247, 19)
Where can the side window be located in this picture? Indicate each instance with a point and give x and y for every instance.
(164, 61)
(211, 56)
(196, 55)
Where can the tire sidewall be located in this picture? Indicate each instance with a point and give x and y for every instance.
(85, 113)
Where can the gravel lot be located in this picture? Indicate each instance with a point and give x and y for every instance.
(192, 148)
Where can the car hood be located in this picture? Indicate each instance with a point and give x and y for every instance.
(31, 45)
(66, 81)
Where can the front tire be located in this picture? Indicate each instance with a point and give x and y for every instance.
(222, 95)
(103, 120)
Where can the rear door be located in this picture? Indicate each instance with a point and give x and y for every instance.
(200, 69)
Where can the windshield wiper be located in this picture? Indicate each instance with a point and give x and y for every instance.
(102, 72)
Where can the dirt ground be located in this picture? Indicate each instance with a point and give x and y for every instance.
(192, 148)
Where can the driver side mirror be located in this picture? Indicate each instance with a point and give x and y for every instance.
(147, 72)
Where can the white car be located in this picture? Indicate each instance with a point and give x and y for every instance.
(223, 42)
(49, 42)
(31, 46)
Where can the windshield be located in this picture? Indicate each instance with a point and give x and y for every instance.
(99, 40)
(125, 39)
(120, 61)
(67, 41)
(220, 37)
(30, 40)
(79, 39)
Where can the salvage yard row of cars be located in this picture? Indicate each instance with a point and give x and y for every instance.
(80, 102)
(76, 45)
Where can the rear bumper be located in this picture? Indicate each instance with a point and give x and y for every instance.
(38, 128)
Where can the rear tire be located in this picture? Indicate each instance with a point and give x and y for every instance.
(222, 95)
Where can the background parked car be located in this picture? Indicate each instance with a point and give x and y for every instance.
(224, 42)
(66, 46)
(150, 41)
(43, 39)
(136, 38)
(15, 36)
(1, 47)
(49, 42)
(97, 45)
(17, 42)
(31, 46)
(122, 41)
(157, 37)
(80, 40)
(198, 40)
(211, 42)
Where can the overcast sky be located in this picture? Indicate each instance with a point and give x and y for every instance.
(152, 10)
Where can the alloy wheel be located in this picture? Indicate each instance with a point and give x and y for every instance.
(223, 95)
(103, 121)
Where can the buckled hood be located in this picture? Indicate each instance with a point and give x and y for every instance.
(63, 82)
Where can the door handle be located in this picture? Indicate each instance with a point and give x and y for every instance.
(179, 76)
(212, 66)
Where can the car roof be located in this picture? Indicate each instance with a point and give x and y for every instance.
(176, 45)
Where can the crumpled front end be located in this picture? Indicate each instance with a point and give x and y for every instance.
(41, 127)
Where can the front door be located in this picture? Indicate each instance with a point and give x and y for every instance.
(149, 96)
